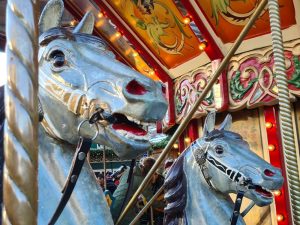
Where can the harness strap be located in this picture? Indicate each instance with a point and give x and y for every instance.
(200, 157)
(237, 207)
(82, 149)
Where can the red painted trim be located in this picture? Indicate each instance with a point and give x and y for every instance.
(212, 50)
(171, 101)
(282, 202)
(193, 130)
(181, 146)
(159, 127)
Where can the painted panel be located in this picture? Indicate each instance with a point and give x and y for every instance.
(233, 15)
(160, 25)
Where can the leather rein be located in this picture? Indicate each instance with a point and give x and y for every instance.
(83, 147)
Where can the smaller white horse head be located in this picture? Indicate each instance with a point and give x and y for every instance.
(233, 167)
(211, 168)
(79, 76)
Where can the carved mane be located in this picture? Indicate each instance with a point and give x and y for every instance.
(175, 193)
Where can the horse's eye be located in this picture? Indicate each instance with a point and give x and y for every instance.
(219, 149)
(58, 58)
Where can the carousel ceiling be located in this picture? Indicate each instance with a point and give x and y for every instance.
(164, 39)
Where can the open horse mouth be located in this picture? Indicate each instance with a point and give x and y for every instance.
(129, 127)
(263, 191)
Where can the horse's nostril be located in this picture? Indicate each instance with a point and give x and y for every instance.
(135, 88)
(269, 173)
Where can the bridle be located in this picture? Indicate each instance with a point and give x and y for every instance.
(203, 157)
(83, 147)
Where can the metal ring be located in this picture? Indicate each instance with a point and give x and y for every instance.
(84, 121)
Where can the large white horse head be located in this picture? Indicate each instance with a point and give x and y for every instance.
(80, 75)
(232, 166)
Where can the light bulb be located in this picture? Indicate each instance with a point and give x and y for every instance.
(271, 147)
(269, 125)
(280, 217)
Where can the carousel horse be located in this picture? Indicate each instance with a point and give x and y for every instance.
(197, 186)
(78, 76)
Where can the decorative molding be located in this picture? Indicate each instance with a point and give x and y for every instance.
(189, 87)
(250, 82)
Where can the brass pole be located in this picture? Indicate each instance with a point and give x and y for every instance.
(20, 184)
(186, 120)
(104, 167)
(159, 191)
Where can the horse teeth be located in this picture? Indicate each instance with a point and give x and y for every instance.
(142, 123)
(133, 120)
(132, 136)
(129, 118)
(266, 189)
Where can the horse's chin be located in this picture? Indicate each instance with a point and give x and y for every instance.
(127, 145)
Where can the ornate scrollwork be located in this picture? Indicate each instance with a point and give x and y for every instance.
(252, 81)
(189, 88)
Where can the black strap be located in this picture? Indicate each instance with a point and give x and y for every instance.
(82, 149)
(237, 207)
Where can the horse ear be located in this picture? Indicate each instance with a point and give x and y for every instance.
(86, 25)
(226, 124)
(209, 124)
(51, 15)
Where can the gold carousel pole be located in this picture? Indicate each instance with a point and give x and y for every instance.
(190, 114)
(21, 108)
(104, 167)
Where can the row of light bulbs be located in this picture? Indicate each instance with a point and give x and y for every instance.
(114, 37)
(186, 20)
(277, 193)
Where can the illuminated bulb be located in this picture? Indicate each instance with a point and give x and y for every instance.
(280, 217)
(187, 140)
(269, 125)
(186, 20)
(73, 22)
(202, 45)
(100, 15)
(118, 34)
(135, 54)
(271, 147)
(178, 153)
(151, 72)
(175, 146)
(277, 193)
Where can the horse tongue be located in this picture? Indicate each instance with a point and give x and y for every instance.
(130, 128)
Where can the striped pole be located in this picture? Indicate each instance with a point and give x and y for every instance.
(286, 125)
(21, 108)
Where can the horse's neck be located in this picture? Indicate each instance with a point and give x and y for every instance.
(87, 204)
(204, 205)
